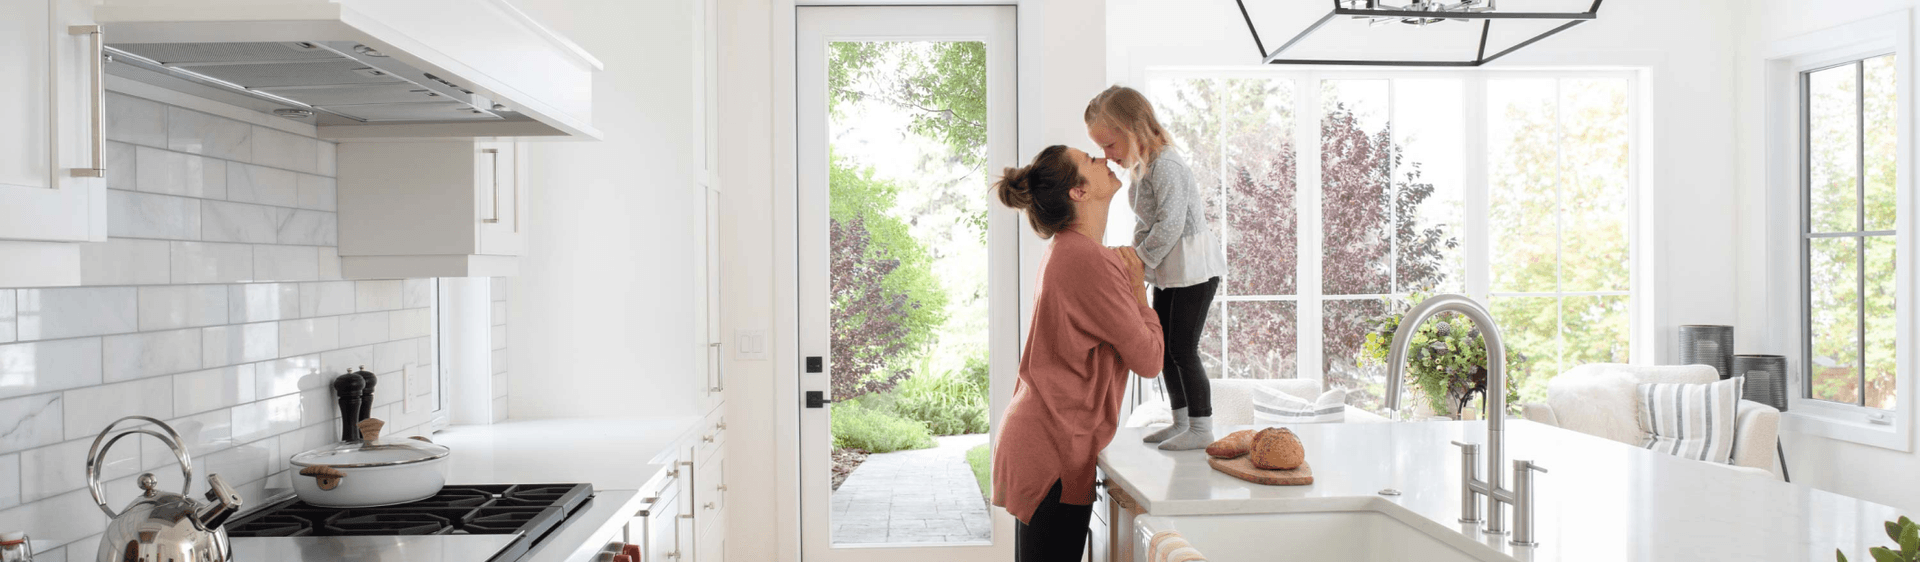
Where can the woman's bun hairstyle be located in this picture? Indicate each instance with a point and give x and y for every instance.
(1042, 190)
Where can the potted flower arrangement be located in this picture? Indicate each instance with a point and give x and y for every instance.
(1447, 360)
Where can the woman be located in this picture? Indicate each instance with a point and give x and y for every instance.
(1183, 259)
(1091, 324)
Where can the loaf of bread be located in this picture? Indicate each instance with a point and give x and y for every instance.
(1232, 446)
(1277, 449)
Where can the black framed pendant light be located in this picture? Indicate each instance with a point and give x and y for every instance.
(1458, 33)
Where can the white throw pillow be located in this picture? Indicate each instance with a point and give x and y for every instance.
(1694, 421)
(1271, 406)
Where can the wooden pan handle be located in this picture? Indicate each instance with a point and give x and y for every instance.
(370, 429)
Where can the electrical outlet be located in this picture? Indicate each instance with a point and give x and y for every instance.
(750, 345)
(409, 403)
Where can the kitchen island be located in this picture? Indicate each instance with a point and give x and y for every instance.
(1601, 500)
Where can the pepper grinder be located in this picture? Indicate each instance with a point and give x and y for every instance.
(366, 394)
(348, 387)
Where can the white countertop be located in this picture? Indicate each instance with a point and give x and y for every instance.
(1601, 500)
(610, 453)
(616, 455)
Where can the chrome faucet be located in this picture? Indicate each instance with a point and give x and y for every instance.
(1472, 487)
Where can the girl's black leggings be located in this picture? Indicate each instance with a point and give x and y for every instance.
(1057, 532)
(1183, 315)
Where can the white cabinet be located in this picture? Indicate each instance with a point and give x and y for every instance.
(431, 209)
(51, 186)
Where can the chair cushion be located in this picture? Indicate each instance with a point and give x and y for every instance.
(1693, 421)
(1272, 406)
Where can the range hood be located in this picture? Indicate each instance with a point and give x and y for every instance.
(362, 69)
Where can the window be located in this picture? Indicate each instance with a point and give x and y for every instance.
(1849, 206)
(1512, 187)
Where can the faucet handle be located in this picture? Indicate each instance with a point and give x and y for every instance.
(1468, 448)
(1528, 465)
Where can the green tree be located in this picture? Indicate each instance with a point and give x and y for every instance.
(944, 85)
(885, 303)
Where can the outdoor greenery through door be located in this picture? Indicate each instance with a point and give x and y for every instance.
(908, 305)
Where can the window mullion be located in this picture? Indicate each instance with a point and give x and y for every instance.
(1559, 223)
(1860, 224)
(1307, 312)
(1479, 242)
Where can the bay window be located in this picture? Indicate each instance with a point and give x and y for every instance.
(1513, 187)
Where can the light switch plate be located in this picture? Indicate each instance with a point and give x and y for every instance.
(750, 345)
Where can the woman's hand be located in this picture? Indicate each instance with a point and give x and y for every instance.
(1136, 272)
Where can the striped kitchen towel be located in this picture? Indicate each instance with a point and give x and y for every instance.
(1169, 546)
(1694, 421)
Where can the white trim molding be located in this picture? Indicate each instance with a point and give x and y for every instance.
(1782, 62)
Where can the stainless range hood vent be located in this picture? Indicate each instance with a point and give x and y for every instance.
(337, 82)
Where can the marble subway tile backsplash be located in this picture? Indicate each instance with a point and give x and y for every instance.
(216, 305)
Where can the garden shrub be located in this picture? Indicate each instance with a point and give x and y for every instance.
(857, 426)
(949, 403)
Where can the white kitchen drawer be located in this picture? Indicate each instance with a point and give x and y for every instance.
(710, 494)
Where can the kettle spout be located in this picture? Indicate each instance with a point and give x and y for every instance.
(223, 503)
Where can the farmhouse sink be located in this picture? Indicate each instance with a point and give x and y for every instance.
(1355, 536)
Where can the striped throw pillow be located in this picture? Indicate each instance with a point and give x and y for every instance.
(1694, 421)
(1271, 406)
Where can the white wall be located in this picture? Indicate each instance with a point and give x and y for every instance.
(747, 242)
(1873, 473)
(1684, 48)
(603, 325)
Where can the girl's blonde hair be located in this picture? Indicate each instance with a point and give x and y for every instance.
(1125, 110)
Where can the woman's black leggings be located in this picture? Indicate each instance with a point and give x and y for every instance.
(1057, 533)
(1183, 315)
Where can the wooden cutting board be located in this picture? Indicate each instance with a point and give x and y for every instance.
(1243, 469)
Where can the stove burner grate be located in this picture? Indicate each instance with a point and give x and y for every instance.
(529, 509)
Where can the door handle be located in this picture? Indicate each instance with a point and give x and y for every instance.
(495, 154)
(98, 129)
(817, 399)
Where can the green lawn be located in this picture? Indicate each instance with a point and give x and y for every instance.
(982, 471)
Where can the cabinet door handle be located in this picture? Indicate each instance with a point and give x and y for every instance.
(495, 154)
(708, 506)
(98, 129)
(706, 439)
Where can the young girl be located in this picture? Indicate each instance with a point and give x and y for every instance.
(1184, 260)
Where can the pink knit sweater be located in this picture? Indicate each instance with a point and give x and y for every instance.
(1087, 332)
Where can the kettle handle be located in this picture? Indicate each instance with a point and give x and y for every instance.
(97, 455)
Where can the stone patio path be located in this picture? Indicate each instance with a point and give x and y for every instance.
(928, 495)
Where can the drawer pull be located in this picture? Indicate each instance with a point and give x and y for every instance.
(708, 506)
(722, 426)
(706, 439)
(720, 488)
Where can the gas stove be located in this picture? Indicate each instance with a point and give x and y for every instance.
(482, 523)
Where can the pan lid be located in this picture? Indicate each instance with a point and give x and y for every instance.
(373, 451)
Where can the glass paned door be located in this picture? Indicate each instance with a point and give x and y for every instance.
(908, 281)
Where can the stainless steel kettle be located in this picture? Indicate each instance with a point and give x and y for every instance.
(162, 526)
